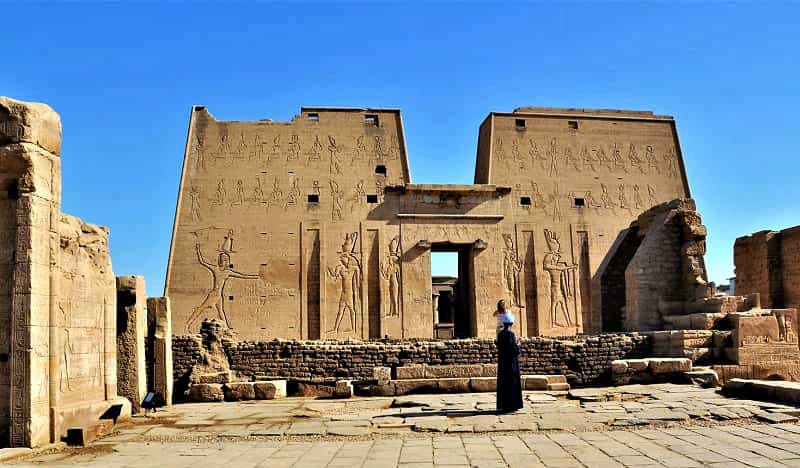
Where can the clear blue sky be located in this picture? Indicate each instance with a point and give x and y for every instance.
(124, 77)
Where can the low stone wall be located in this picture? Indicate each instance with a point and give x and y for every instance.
(583, 360)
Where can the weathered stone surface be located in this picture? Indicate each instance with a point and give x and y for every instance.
(764, 337)
(535, 382)
(202, 392)
(343, 389)
(706, 378)
(669, 365)
(405, 387)
(236, 391)
(455, 385)
(131, 333)
(483, 384)
(272, 390)
(766, 264)
(159, 360)
(334, 168)
(30, 122)
(382, 374)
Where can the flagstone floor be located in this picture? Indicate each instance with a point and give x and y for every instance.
(660, 425)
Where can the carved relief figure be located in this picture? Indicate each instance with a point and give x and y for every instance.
(535, 155)
(276, 148)
(361, 149)
(634, 158)
(516, 154)
(194, 204)
(379, 153)
(348, 273)
(571, 159)
(276, 196)
(537, 199)
(294, 148)
(553, 155)
(588, 159)
(336, 208)
(258, 194)
(605, 161)
(651, 194)
(650, 157)
(555, 199)
(637, 198)
(314, 154)
(499, 152)
(390, 270)
(219, 199)
(360, 195)
(334, 151)
(605, 197)
(623, 199)
(294, 194)
(562, 283)
(199, 153)
(672, 164)
(239, 200)
(512, 265)
(67, 349)
(619, 163)
(394, 147)
(221, 271)
(591, 202)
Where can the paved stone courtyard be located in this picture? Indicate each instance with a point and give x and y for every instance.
(661, 425)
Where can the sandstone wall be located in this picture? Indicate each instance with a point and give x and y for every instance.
(768, 263)
(584, 360)
(57, 349)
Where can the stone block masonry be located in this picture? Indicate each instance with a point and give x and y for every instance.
(131, 332)
(583, 360)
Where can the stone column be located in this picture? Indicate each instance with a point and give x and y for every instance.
(30, 144)
(131, 332)
(159, 331)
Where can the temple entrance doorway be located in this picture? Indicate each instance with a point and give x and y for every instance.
(452, 290)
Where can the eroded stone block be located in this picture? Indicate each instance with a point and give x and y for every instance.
(206, 392)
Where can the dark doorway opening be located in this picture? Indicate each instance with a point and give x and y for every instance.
(453, 291)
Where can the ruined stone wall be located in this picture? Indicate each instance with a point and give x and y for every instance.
(768, 263)
(57, 349)
(585, 360)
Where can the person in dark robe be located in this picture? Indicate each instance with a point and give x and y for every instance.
(509, 385)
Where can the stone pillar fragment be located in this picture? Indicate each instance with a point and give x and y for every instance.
(159, 363)
(131, 332)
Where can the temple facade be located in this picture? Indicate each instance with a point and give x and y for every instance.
(312, 229)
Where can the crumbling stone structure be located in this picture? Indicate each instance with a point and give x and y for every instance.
(312, 229)
(57, 293)
(131, 336)
(584, 361)
(768, 263)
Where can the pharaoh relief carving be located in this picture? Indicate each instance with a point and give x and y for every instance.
(347, 274)
(623, 199)
(552, 156)
(238, 198)
(275, 152)
(315, 153)
(199, 153)
(633, 157)
(258, 192)
(221, 271)
(588, 160)
(571, 160)
(619, 163)
(360, 151)
(651, 195)
(194, 204)
(66, 351)
(555, 202)
(379, 151)
(359, 194)
(221, 194)
(650, 157)
(537, 199)
(637, 198)
(336, 165)
(336, 195)
(536, 155)
(518, 159)
(394, 148)
(605, 198)
(672, 163)
(276, 196)
(294, 148)
(512, 265)
(294, 194)
(390, 270)
(562, 283)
